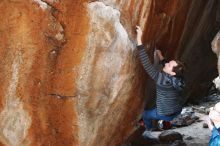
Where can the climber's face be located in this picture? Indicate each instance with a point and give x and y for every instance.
(168, 68)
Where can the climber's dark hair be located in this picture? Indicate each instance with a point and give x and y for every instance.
(179, 69)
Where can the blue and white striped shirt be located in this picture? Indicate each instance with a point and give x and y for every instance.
(169, 100)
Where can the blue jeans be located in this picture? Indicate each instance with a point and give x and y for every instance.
(150, 115)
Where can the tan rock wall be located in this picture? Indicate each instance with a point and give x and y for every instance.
(216, 49)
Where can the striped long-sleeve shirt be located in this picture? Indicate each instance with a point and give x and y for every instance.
(169, 100)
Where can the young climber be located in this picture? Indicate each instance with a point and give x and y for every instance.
(169, 84)
(214, 125)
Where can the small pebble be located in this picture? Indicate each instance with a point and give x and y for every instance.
(205, 125)
(188, 138)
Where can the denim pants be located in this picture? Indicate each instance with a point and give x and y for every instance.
(150, 115)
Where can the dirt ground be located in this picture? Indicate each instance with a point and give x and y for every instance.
(200, 136)
(193, 135)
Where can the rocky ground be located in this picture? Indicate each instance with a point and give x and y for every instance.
(189, 129)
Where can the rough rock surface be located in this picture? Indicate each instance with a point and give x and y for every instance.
(69, 72)
(170, 136)
(216, 50)
(195, 47)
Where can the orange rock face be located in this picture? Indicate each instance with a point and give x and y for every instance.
(31, 113)
(70, 74)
